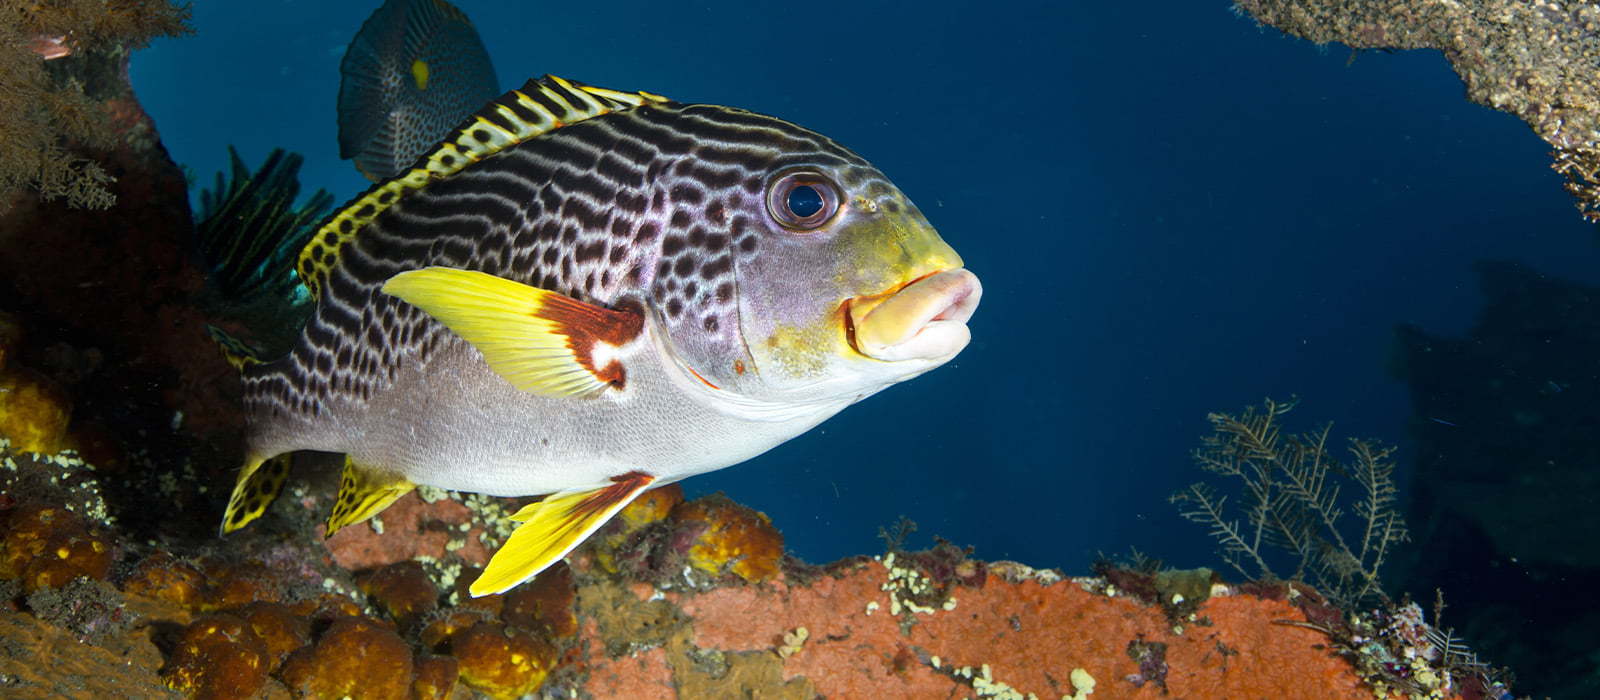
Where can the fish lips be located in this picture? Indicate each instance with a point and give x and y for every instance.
(923, 320)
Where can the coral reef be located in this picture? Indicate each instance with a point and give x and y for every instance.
(218, 656)
(1295, 500)
(49, 546)
(34, 410)
(113, 582)
(734, 540)
(653, 607)
(354, 656)
(105, 358)
(53, 59)
(1532, 59)
(1505, 484)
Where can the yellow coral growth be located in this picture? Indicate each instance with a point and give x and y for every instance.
(435, 678)
(736, 540)
(502, 663)
(356, 657)
(655, 505)
(33, 411)
(47, 547)
(217, 656)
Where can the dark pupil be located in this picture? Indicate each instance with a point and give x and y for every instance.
(804, 201)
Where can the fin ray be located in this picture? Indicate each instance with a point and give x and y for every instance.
(552, 528)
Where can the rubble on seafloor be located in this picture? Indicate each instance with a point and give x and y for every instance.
(1535, 60)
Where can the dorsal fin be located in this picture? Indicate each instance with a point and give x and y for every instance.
(542, 105)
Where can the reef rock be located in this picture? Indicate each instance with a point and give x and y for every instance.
(650, 608)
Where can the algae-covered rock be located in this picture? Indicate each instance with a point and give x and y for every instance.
(356, 656)
(49, 546)
(218, 656)
(34, 411)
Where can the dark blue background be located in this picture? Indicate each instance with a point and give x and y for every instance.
(1172, 213)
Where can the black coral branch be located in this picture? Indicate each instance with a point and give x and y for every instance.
(52, 119)
(1293, 494)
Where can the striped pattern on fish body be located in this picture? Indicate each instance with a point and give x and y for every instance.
(703, 314)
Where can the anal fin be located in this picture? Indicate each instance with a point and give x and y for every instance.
(553, 527)
(363, 493)
(258, 484)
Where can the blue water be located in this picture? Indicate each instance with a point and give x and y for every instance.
(1171, 213)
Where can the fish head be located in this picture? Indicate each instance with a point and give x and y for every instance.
(840, 286)
(853, 289)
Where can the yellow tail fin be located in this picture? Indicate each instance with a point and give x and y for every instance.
(553, 527)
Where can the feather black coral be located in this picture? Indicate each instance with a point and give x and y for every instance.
(1293, 491)
(51, 113)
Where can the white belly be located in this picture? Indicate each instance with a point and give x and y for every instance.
(454, 424)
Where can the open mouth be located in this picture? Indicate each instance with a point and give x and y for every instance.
(926, 319)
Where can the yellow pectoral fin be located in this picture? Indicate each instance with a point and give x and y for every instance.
(258, 484)
(553, 527)
(363, 493)
(540, 341)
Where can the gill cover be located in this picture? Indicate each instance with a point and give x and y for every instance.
(831, 309)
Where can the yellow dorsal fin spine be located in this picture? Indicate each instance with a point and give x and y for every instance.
(542, 105)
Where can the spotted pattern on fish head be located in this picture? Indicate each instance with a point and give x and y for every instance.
(753, 296)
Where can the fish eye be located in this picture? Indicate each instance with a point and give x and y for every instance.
(802, 201)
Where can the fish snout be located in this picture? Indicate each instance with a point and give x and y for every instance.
(924, 320)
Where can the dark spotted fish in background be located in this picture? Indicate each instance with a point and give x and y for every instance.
(585, 294)
(413, 72)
